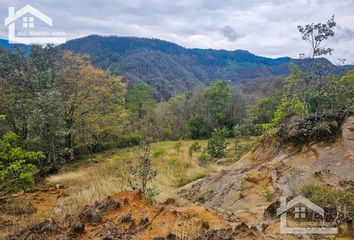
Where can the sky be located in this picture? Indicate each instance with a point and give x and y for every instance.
(266, 28)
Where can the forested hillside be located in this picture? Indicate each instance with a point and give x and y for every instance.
(169, 68)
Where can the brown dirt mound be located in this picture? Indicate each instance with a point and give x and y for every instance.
(19, 210)
(129, 215)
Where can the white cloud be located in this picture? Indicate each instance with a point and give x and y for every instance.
(265, 28)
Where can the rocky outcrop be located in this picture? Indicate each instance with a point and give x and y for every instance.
(263, 175)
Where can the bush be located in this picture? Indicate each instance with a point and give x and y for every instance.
(217, 143)
(177, 146)
(242, 148)
(268, 193)
(195, 147)
(319, 128)
(17, 166)
(158, 152)
(196, 126)
(142, 173)
(248, 129)
(129, 140)
(166, 134)
(203, 159)
(332, 200)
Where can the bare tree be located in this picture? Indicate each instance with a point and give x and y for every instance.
(316, 34)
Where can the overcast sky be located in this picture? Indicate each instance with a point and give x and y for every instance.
(266, 28)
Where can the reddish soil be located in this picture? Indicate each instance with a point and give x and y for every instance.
(129, 215)
(21, 210)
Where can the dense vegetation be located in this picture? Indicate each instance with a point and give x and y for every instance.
(17, 165)
(59, 103)
(169, 68)
(192, 115)
(339, 204)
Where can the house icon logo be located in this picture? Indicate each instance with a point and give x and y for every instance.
(304, 216)
(29, 16)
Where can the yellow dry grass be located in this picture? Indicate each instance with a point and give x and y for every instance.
(103, 174)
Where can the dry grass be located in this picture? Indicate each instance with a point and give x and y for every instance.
(106, 173)
(97, 189)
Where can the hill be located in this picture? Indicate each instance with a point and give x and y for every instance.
(170, 68)
(4, 44)
(252, 187)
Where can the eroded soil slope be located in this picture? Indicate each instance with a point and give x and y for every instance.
(245, 188)
(129, 215)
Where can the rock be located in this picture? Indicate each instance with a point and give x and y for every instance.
(111, 231)
(77, 229)
(107, 205)
(126, 218)
(91, 215)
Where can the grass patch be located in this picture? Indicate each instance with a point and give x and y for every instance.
(243, 146)
(106, 173)
(158, 152)
(181, 179)
(17, 208)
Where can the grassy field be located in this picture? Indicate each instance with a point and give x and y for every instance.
(103, 174)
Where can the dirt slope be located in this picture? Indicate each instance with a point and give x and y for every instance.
(242, 189)
(129, 215)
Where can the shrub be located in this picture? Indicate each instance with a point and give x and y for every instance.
(129, 140)
(217, 143)
(177, 146)
(158, 152)
(142, 173)
(268, 193)
(312, 127)
(248, 129)
(339, 201)
(242, 149)
(195, 147)
(17, 166)
(196, 126)
(166, 134)
(203, 159)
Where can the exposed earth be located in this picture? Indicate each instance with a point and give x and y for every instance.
(228, 204)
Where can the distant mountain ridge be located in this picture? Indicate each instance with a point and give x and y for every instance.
(5, 44)
(169, 68)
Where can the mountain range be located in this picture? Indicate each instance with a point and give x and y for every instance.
(169, 68)
(5, 44)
